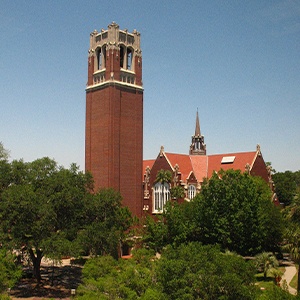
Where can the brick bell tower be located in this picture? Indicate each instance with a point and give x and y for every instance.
(114, 114)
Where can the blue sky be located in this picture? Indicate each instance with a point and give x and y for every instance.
(238, 62)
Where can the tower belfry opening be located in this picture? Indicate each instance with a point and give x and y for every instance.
(114, 113)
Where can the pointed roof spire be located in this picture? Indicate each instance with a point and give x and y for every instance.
(197, 128)
(197, 146)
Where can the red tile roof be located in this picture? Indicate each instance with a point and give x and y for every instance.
(183, 161)
(240, 161)
(203, 166)
(200, 166)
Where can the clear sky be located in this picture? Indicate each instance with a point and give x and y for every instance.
(238, 62)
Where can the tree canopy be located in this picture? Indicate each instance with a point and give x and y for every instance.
(194, 271)
(287, 185)
(233, 210)
(45, 210)
(105, 223)
(190, 271)
(4, 154)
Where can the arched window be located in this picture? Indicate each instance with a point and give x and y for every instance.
(191, 191)
(161, 194)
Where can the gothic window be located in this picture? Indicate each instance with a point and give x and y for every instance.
(161, 195)
(191, 191)
(129, 58)
(122, 56)
(126, 58)
(99, 59)
(101, 56)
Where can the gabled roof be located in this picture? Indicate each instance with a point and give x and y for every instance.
(183, 161)
(203, 166)
(187, 164)
(236, 161)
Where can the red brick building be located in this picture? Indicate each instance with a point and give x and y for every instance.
(188, 171)
(114, 113)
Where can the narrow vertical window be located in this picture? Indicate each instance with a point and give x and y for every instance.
(122, 53)
(129, 58)
(103, 57)
(99, 59)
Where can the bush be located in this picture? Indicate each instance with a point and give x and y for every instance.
(194, 271)
(9, 271)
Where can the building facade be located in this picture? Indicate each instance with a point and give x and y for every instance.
(114, 113)
(114, 132)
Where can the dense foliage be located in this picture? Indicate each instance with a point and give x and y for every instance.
(105, 223)
(287, 185)
(107, 278)
(233, 210)
(202, 272)
(292, 232)
(47, 210)
(190, 271)
(9, 271)
(266, 262)
(275, 293)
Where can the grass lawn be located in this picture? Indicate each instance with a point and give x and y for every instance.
(265, 284)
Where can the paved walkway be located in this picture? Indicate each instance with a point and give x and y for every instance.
(288, 275)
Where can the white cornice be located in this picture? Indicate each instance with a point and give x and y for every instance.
(113, 83)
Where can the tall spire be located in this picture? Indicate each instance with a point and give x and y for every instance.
(197, 146)
(197, 129)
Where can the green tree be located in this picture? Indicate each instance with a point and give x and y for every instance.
(107, 278)
(174, 226)
(285, 186)
(292, 245)
(292, 233)
(164, 176)
(266, 262)
(155, 233)
(194, 271)
(177, 192)
(4, 154)
(41, 207)
(292, 212)
(106, 222)
(5, 175)
(5, 169)
(233, 210)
